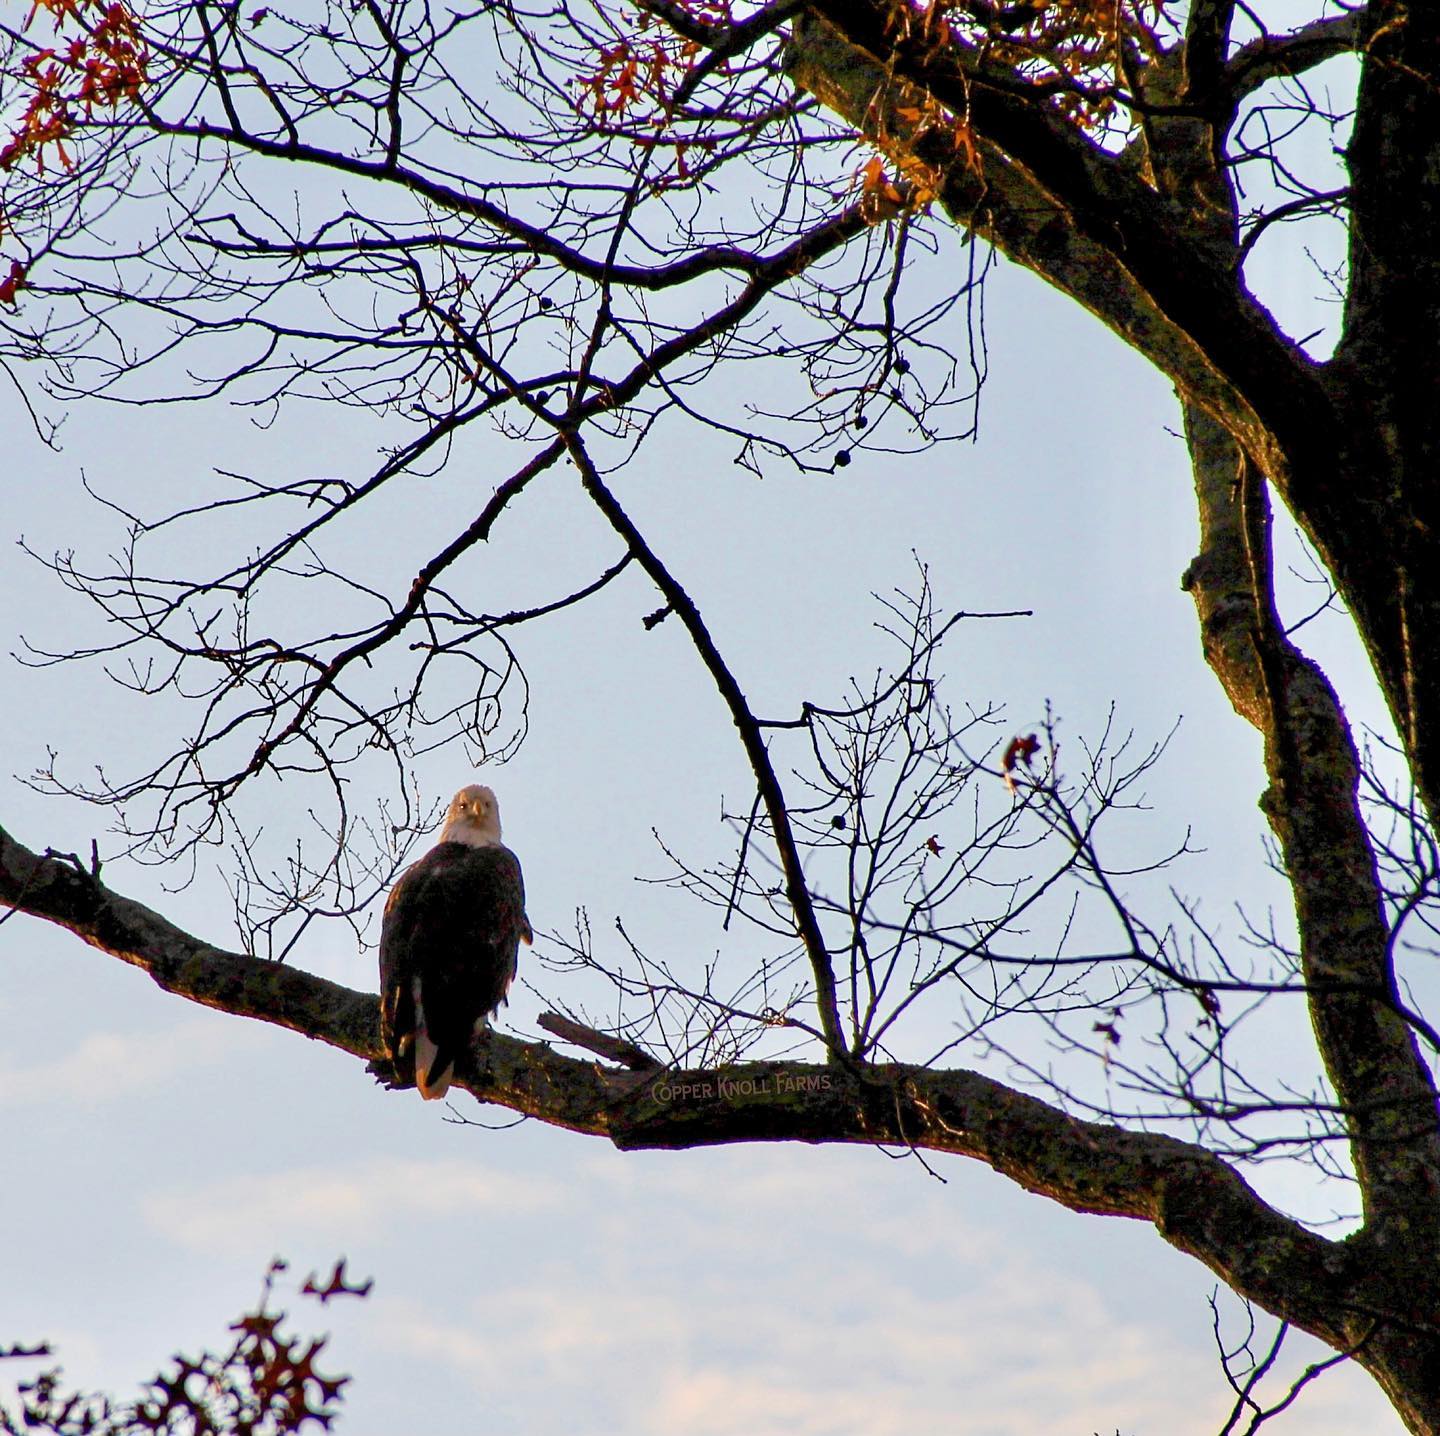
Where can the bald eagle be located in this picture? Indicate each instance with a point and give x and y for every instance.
(449, 942)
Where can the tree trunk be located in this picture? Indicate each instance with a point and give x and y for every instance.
(1351, 446)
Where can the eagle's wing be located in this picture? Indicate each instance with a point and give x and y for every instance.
(401, 941)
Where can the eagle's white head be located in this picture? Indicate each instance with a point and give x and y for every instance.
(473, 818)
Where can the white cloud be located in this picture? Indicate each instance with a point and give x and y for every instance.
(110, 1065)
(730, 1350)
(784, 1308)
(358, 1201)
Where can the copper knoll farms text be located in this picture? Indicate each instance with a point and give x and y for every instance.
(720, 1088)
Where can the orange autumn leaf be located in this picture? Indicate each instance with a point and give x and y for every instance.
(105, 64)
(877, 188)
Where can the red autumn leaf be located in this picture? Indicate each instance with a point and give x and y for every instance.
(338, 1284)
(1016, 751)
(12, 281)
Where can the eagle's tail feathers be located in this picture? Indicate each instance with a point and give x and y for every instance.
(431, 1077)
(432, 1073)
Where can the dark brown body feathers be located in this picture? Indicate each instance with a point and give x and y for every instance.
(448, 952)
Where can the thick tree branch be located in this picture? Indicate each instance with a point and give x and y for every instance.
(1369, 1052)
(59, 891)
(1273, 56)
(1197, 1202)
(1312, 804)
